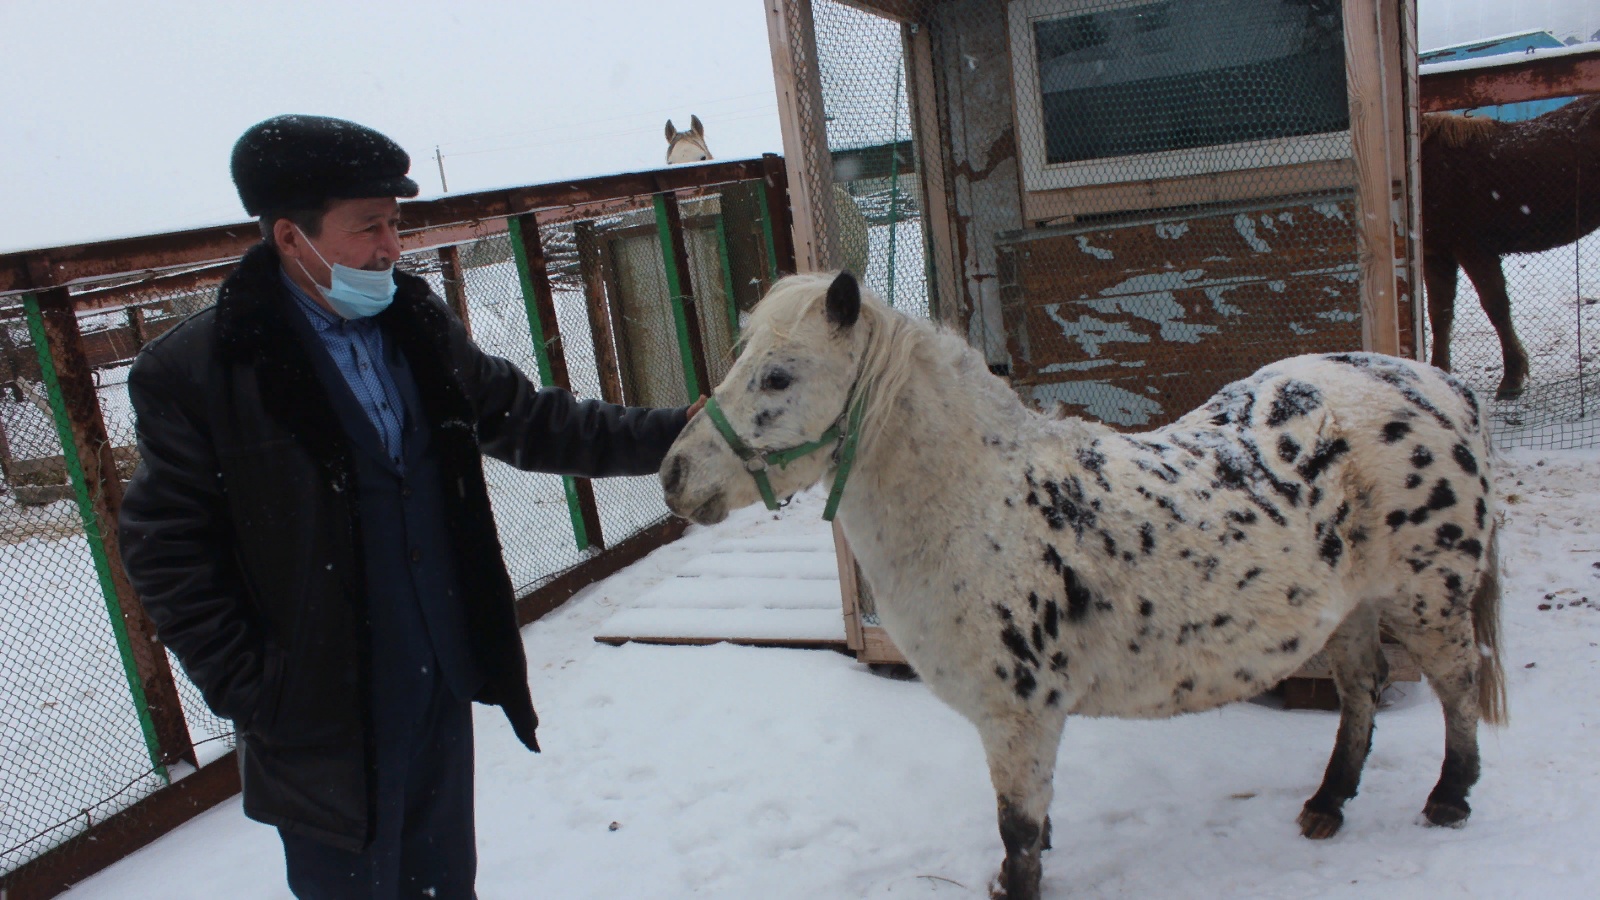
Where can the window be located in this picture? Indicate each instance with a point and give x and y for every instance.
(1128, 90)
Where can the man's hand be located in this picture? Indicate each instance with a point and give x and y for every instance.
(698, 405)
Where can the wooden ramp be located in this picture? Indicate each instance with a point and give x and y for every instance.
(769, 583)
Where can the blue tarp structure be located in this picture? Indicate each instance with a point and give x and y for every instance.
(1523, 42)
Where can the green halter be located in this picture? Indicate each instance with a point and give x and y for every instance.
(757, 463)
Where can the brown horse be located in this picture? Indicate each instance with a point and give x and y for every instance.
(1491, 188)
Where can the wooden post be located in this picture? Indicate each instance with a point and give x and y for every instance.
(610, 276)
(10, 365)
(86, 448)
(455, 284)
(136, 327)
(680, 289)
(927, 124)
(1409, 119)
(528, 249)
(591, 269)
(792, 35)
(1370, 76)
(778, 216)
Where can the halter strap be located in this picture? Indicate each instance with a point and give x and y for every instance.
(757, 463)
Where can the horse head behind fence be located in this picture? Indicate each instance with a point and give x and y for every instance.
(687, 146)
(1491, 188)
(1031, 567)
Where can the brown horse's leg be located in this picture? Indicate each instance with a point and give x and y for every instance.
(1484, 270)
(1359, 670)
(1439, 276)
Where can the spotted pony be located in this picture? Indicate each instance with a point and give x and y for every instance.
(1031, 567)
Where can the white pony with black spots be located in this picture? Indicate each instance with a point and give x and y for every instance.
(1033, 567)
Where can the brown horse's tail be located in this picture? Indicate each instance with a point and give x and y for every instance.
(1486, 633)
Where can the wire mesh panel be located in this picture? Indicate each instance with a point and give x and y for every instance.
(1509, 213)
(72, 750)
(530, 509)
(875, 198)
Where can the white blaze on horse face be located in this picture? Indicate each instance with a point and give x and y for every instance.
(790, 384)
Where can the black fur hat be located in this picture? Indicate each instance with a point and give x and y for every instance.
(300, 162)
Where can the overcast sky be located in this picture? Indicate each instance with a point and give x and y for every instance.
(117, 118)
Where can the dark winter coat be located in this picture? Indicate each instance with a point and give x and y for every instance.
(242, 532)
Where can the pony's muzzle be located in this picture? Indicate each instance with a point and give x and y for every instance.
(675, 484)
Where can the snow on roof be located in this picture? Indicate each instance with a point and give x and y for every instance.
(1493, 39)
(1507, 59)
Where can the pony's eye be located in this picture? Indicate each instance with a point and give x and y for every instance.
(775, 380)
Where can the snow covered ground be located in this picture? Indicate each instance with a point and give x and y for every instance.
(734, 772)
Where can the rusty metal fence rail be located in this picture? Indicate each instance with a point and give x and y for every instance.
(628, 288)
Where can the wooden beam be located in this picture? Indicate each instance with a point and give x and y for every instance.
(792, 36)
(120, 835)
(1407, 121)
(932, 142)
(902, 11)
(1368, 75)
(775, 186)
(455, 285)
(99, 466)
(1534, 77)
(591, 269)
(849, 590)
(73, 264)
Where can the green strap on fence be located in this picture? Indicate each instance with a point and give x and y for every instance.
(676, 291)
(91, 528)
(541, 355)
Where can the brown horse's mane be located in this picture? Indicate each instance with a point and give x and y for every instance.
(1458, 131)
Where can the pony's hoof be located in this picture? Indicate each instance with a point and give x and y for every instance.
(1508, 392)
(1446, 814)
(1318, 824)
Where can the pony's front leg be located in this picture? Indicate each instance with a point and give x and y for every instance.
(1022, 763)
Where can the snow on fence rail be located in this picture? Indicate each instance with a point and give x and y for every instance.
(590, 285)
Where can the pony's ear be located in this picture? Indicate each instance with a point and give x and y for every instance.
(844, 300)
(671, 132)
(695, 126)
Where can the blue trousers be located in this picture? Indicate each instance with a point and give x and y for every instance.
(424, 843)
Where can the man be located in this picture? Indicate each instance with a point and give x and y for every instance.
(310, 529)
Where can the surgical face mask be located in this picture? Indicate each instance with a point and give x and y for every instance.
(354, 293)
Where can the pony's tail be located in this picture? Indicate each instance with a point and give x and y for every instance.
(1486, 633)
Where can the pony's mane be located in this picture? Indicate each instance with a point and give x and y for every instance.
(896, 343)
(1458, 131)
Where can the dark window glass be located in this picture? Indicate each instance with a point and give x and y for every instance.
(1181, 74)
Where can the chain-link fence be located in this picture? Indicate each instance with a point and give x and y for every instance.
(1512, 262)
(593, 302)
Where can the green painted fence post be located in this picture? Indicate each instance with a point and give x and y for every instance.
(528, 251)
(675, 260)
(92, 529)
